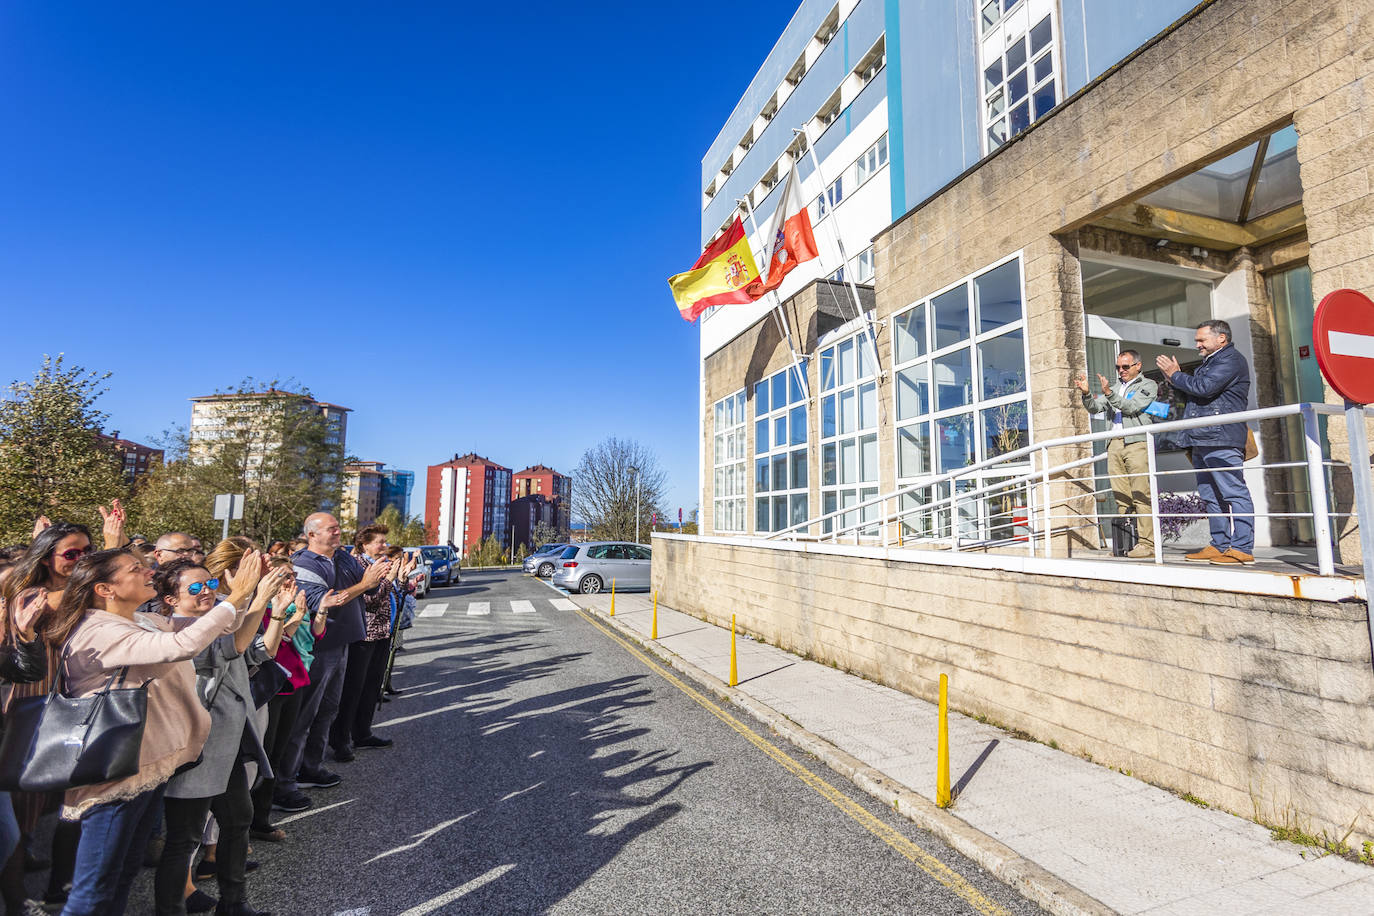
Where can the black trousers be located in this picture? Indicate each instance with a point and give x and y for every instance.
(361, 690)
(233, 809)
(282, 711)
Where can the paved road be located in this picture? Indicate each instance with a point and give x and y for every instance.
(541, 765)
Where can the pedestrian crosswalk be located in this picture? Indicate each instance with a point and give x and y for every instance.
(490, 608)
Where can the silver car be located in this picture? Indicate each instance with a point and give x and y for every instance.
(589, 568)
(543, 561)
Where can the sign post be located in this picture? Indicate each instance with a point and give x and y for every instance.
(228, 506)
(1343, 335)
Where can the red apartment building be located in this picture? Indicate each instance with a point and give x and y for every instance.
(540, 494)
(466, 501)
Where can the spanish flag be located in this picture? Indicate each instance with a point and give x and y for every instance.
(719, 277)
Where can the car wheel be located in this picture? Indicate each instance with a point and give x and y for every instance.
(545, 570)
(589, 585)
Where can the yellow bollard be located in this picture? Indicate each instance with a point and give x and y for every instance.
(734, 668)
(612, 597)
(654, 634)
(899, 534)
(942, 747)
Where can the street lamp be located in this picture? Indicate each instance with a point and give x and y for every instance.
(636, 473)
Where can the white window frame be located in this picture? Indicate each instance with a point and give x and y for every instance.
(730, 448)
(795, 497)
(1015, 23)
(844, 493)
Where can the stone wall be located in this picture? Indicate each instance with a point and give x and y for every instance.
(1260, 705)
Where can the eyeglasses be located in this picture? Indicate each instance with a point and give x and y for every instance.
(75, 553)
(1126, 368)
(195, 588)
(179, 551)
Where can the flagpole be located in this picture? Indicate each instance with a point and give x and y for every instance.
(778, 315)
(844, 261)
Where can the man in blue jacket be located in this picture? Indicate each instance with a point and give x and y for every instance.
(1221, 385)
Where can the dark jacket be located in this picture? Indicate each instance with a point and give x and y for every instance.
(1221, 385)
(316, 575)
(23, 662)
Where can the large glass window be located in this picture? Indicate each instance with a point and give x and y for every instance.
(849, 430)
(731, 455)
(1018, 55)
(780, 466)
(960, 388)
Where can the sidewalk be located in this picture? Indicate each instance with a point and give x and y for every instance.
(1046, 821)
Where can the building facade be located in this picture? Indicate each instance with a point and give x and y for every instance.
(1058, 182)
(362, 491)
(467, 500)
(396, 488)
(556, 488)
(135, 458)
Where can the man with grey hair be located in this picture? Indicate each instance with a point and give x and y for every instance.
(174, 545)
(1128, 465)
(334, 583)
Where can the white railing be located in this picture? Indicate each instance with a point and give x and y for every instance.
(1026, 478)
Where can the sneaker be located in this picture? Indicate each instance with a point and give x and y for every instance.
(291, 801)
(1141, 552)
(33, 908)
(317, 779)
(372, 741)
(1205, 554)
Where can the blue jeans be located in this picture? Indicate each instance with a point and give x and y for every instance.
(9, 828)
(1230, 510)
(113, 838)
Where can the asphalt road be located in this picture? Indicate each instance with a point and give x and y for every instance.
(540, 766)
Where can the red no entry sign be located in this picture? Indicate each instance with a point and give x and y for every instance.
(1343, 334)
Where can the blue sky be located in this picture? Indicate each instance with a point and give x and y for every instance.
(456, 219)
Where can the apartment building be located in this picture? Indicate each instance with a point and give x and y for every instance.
(556, 488)
(467, 500)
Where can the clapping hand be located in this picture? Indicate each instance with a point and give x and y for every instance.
(1081, 382)
(113, 529)
(375, 573)
(1106, 385)
(245, 579)
(333, 599)
(40, 524)
(1168, 365)
(26, 615)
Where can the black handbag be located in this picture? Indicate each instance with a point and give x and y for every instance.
(268, 681)
(53, 743)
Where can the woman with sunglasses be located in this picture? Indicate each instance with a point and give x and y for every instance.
(35, 583)
(219, 783)
(101, 632)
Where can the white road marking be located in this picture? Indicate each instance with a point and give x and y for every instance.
(419, 838)
(433, 610)
(521, 791)
(563, 604)
(429, 906)
(1343, 343)
(522, 607)
(479, 609)
(296, 817)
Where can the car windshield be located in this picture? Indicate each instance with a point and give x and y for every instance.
(434, 554)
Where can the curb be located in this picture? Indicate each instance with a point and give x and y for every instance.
(1032, 881)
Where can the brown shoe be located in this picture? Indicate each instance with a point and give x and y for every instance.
(1225, 559)
(1141, 552)
(1207, 553)
(1239, 556)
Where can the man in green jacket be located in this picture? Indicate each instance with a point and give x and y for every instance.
(1124, 404)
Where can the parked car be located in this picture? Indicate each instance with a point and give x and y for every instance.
(443, 564)
(541, 563)
(422, 572)
(589, 568)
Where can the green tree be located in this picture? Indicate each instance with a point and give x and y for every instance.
(612, 478)
(544, 533)
(489, 552)
(403, 531)
(51, 462)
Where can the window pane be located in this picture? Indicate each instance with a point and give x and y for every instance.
(1278, 185)
(997, 133)
(913, 450)
(1040, 35)
(828, 370)
(1003, 360)
(953, 380)
(760, 437)
(720, 415)
(799, 478)
(730, 411)
(864, 345)
(739, 407)
(868, 406)
(1016, 54)
(1017, 86)
(997, 103)
(761, 514)
(779, 513)
(798, 514)
(1005, 428)
(779, 472)
(798, 415)
(829, 474)
(849, 463)
(1044, 66)
(998, 293)
(794, 391)
(992, 76)
(779, 390)
(847, 412)
(991, 13)
(761, 475)
(720, 449)
(779, 431)
(882, 150)
(845, 355)
(955, 438)
(913, 391)
(951, 316)
(760, 399)
(827, 416)
(868, 459)
(1020, 118)
(1044, 99)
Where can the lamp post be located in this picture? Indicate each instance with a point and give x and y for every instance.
(636, 473)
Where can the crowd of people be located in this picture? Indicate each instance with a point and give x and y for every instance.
(255, 664)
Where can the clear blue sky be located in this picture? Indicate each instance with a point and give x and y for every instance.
(454, 218)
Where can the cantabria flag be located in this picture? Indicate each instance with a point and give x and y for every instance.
(719, 277)
(791, 240)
